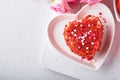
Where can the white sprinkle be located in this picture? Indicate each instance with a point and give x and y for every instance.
(81, 25)
(83, 43)
(79, 37)
(74, 30)
(76, 25)
(75, 35)
(88, 25)
(92, 43)
(87, 48)
(89, 32)
(85, 35)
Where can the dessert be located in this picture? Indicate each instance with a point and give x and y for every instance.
(84, 37)
(118, 5)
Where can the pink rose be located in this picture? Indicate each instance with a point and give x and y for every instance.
(61, 6)
(64, 5)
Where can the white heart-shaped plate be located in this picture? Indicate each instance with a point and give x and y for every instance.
(117, 14)
(56, 29)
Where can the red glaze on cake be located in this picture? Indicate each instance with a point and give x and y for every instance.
(84, 37)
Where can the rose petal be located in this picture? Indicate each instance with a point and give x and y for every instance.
(60, 6)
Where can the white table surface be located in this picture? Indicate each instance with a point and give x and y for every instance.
(23, 34)
(23, 25)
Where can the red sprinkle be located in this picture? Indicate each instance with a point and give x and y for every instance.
(100, 13)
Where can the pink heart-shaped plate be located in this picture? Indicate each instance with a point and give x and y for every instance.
(56, 28)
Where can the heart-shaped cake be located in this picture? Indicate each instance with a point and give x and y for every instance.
(84, 37)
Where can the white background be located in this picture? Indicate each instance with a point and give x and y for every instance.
(23, 34)
(23, 26)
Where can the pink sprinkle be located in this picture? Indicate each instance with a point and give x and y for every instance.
(100, 13)
(104, 20)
